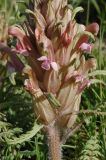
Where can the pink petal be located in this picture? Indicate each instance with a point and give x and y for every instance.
(93, 28)
(46, 65)
(54, 66)
(43, 58)
(19, 46)
(82, 86)
(21, 50)
(24, 52)
(86, 47)
(21, 36)
(79, 78)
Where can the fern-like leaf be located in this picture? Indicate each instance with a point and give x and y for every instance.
(25, 137)
(92, 149)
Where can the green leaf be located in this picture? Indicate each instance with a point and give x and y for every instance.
(25, 137)
(12, 78)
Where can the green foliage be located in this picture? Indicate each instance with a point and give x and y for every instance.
(17, 127)
(25, 137)
(92, 149)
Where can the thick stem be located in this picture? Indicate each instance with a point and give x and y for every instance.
(54, 143)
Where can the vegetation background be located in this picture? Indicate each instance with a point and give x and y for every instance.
(16, 110)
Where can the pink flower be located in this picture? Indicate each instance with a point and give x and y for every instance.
(48, 63)
(79, 78)
(83, 85)
(86, 47)
(21, 50)
(83, 82)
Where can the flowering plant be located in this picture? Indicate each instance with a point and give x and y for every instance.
(58, 53)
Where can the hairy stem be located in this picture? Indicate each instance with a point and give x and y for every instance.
(54, 143)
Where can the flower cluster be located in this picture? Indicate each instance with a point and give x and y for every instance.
(55, 46)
